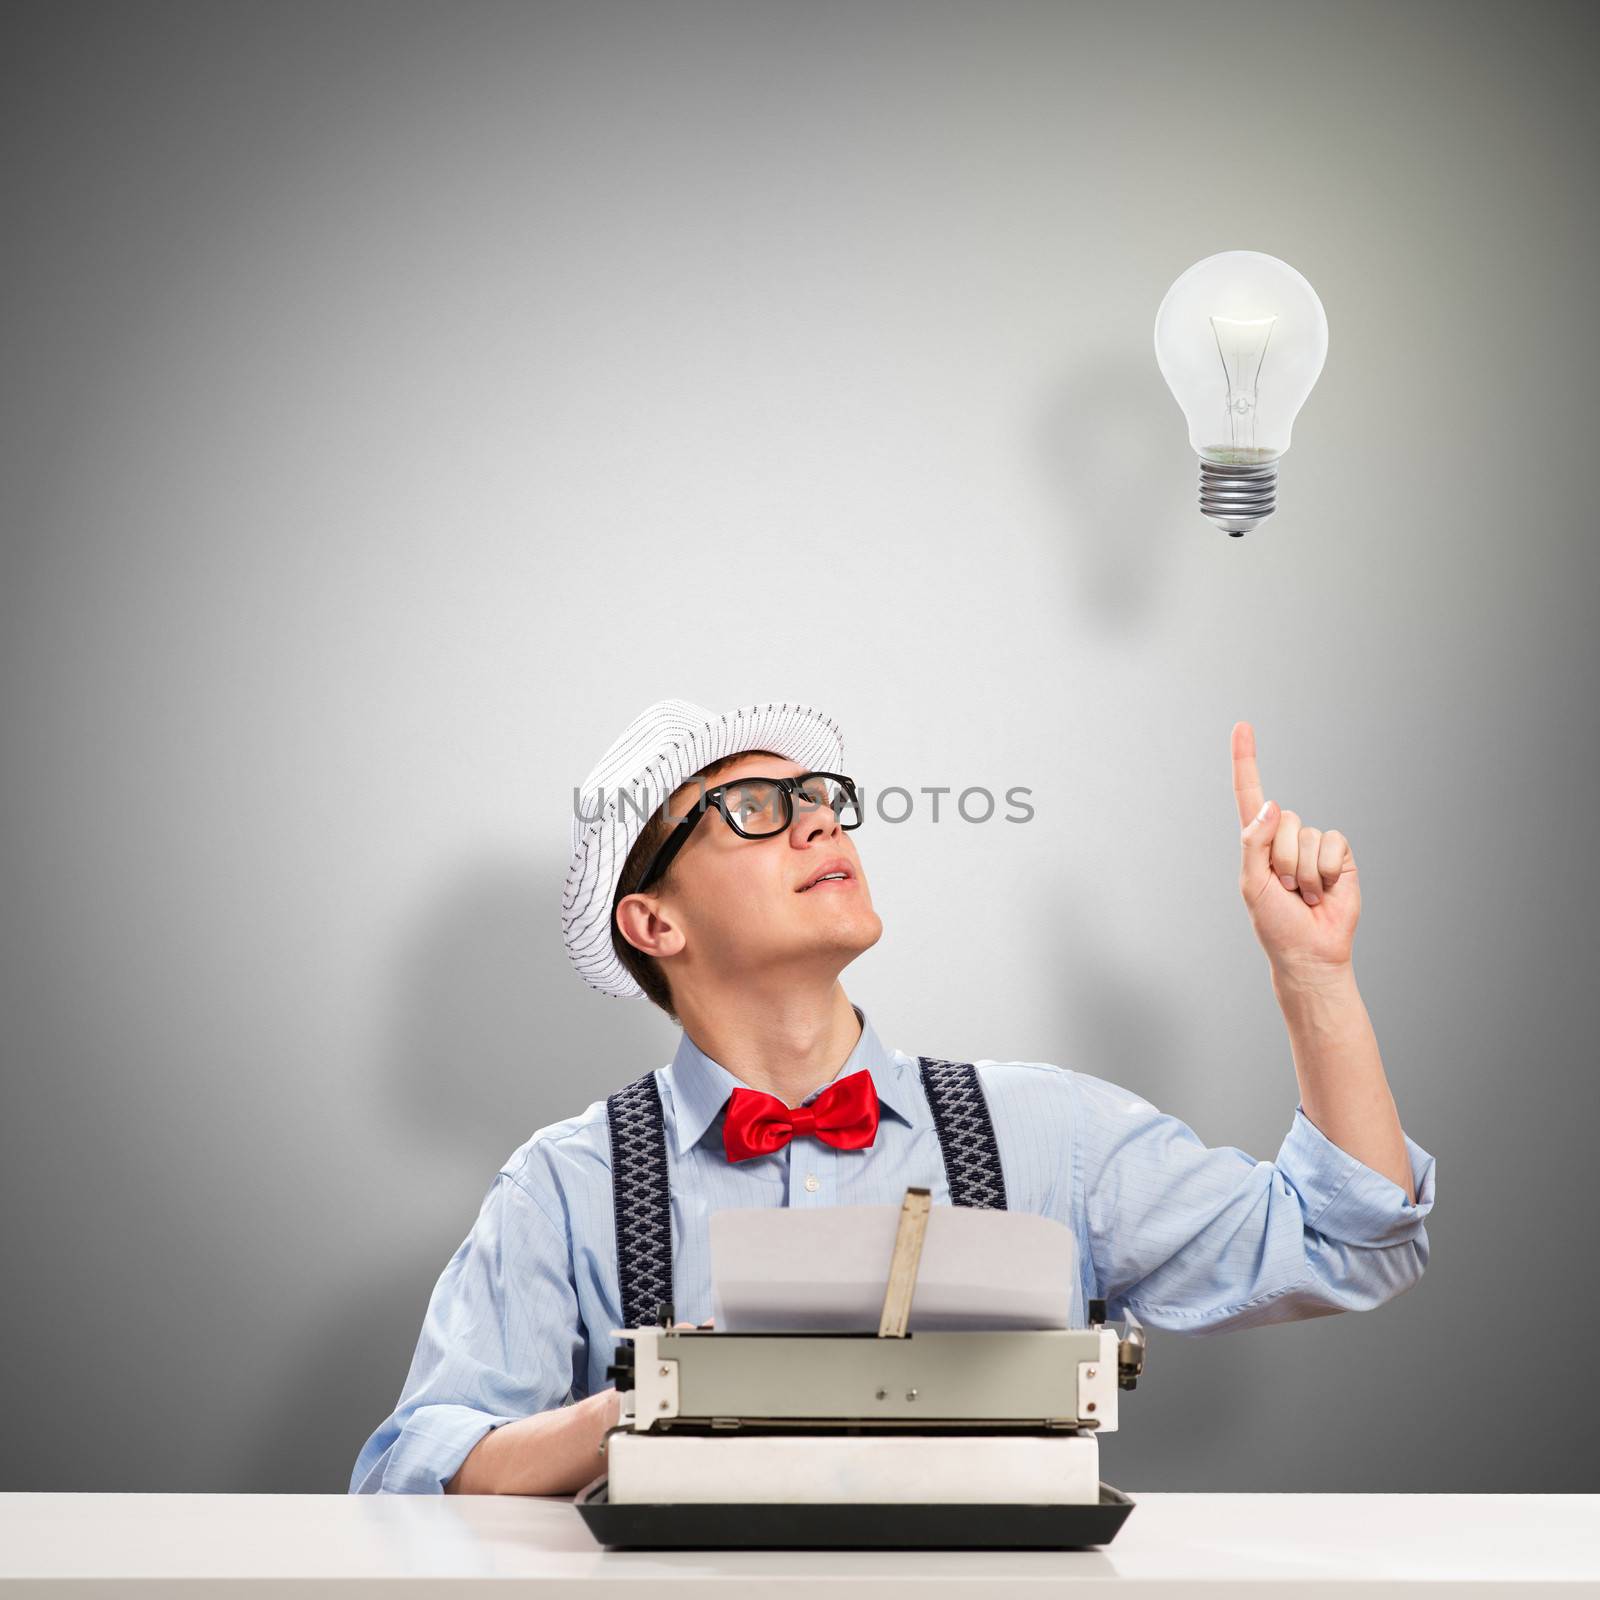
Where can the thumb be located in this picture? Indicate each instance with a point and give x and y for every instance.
(1256, 841)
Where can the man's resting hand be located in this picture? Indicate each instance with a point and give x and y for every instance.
(552, 1452)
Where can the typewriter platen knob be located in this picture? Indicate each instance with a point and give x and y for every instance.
(1130, 1352)
(620, 1372)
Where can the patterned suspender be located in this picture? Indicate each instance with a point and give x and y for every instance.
(643, 1200)
(966, 1135)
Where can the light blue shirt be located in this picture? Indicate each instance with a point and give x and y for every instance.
(1193, 1240)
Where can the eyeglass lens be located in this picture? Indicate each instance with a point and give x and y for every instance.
(758, 806)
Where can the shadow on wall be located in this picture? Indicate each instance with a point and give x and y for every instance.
(1113, 454)
(492, 1035)
(493, 1030)
(1180, 1429)
(1116, 1021)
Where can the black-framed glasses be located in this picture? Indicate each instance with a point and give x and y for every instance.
(756, 808)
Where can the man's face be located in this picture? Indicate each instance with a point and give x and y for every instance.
(739, 905)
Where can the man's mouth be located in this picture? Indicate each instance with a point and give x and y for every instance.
(831, 872)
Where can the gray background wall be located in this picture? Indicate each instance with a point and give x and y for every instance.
(398, 397)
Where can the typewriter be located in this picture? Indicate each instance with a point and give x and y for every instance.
(888, 1440)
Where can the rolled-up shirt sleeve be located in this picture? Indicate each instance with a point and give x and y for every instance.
(1198, 1239)
(501, 1339)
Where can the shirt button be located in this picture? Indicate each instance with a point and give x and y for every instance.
(813, 1183)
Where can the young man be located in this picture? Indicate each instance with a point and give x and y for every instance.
(714, 871)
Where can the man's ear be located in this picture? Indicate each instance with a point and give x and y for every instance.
(647, 925)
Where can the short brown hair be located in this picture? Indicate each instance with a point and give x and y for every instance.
(645, 969)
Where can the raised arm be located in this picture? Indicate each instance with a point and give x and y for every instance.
(1197, 1239)
(1303, 892)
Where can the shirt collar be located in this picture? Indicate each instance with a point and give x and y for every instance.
(701, 1086)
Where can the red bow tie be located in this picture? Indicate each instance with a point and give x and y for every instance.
(845, 1115)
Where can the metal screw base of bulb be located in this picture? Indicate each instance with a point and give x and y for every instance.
(1238, 497)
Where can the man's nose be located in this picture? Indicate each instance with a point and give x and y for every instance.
(815, 820)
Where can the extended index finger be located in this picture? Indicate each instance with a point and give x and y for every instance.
(1246, 780)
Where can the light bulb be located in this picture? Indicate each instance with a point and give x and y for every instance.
(1240, 339)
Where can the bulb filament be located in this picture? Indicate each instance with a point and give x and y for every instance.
(1243, 348)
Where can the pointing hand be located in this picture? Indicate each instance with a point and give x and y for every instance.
(1299, 884)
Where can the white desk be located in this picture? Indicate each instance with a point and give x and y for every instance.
(67, 1545)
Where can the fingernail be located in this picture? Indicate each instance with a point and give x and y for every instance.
(1286, 880)
(1263, 811)
(1313, 899)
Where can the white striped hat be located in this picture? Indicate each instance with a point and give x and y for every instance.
(658, 752)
